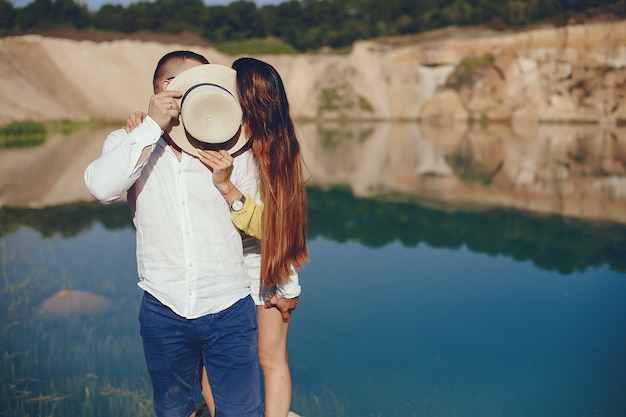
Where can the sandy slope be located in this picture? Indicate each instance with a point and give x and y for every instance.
(43, 78)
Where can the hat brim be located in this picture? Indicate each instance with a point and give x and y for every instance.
(220, 75)
(190, 145)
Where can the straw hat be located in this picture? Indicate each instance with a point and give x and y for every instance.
(210, 113)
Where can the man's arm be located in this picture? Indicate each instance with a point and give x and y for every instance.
(125, 151)
(122, 159)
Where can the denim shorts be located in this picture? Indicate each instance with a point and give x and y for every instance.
(174, 348)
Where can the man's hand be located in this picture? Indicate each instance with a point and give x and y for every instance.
(284, 305)
(163, 108)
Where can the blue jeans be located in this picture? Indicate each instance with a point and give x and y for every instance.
(175, 346)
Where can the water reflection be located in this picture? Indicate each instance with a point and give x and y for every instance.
(570, 170)
(550, 242)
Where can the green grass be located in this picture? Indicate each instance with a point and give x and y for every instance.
(482, 61)
(365, 105)
(330, 100)
(464, 74)
(267, 46)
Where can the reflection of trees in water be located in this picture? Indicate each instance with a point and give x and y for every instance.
(67, 220)
(551, 242)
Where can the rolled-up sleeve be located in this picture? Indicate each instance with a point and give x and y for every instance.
(291, 288)
(248, 219)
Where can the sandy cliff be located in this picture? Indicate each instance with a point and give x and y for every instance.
(572, 73)
(50, 78)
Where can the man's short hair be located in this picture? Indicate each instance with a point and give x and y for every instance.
(175, 57)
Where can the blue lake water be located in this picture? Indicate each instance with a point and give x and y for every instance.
(418, 331)
(405, 311)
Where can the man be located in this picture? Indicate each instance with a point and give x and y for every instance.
(196, 304)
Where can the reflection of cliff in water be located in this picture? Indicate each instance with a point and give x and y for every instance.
(551, 242)
(570, 170)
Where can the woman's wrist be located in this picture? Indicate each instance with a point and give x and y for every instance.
(230, 192)
(233, 188)
(226, 188)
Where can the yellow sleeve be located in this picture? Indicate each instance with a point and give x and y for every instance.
(248, 219)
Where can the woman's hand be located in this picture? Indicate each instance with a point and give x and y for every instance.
(221, 164)
(284, 305)
(134, 120)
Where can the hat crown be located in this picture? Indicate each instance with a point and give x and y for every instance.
(210, 113)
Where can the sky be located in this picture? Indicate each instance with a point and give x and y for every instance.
(96, 4)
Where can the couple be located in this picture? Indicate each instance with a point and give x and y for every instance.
(213, 137)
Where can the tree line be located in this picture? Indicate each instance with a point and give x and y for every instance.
(306, 25)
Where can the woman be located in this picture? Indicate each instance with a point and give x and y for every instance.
(282, 216)
(277, 221)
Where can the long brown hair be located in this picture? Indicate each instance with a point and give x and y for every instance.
(277, 153)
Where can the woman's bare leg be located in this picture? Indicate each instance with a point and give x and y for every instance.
(273, 358)
(206, 392)
(272, 341)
